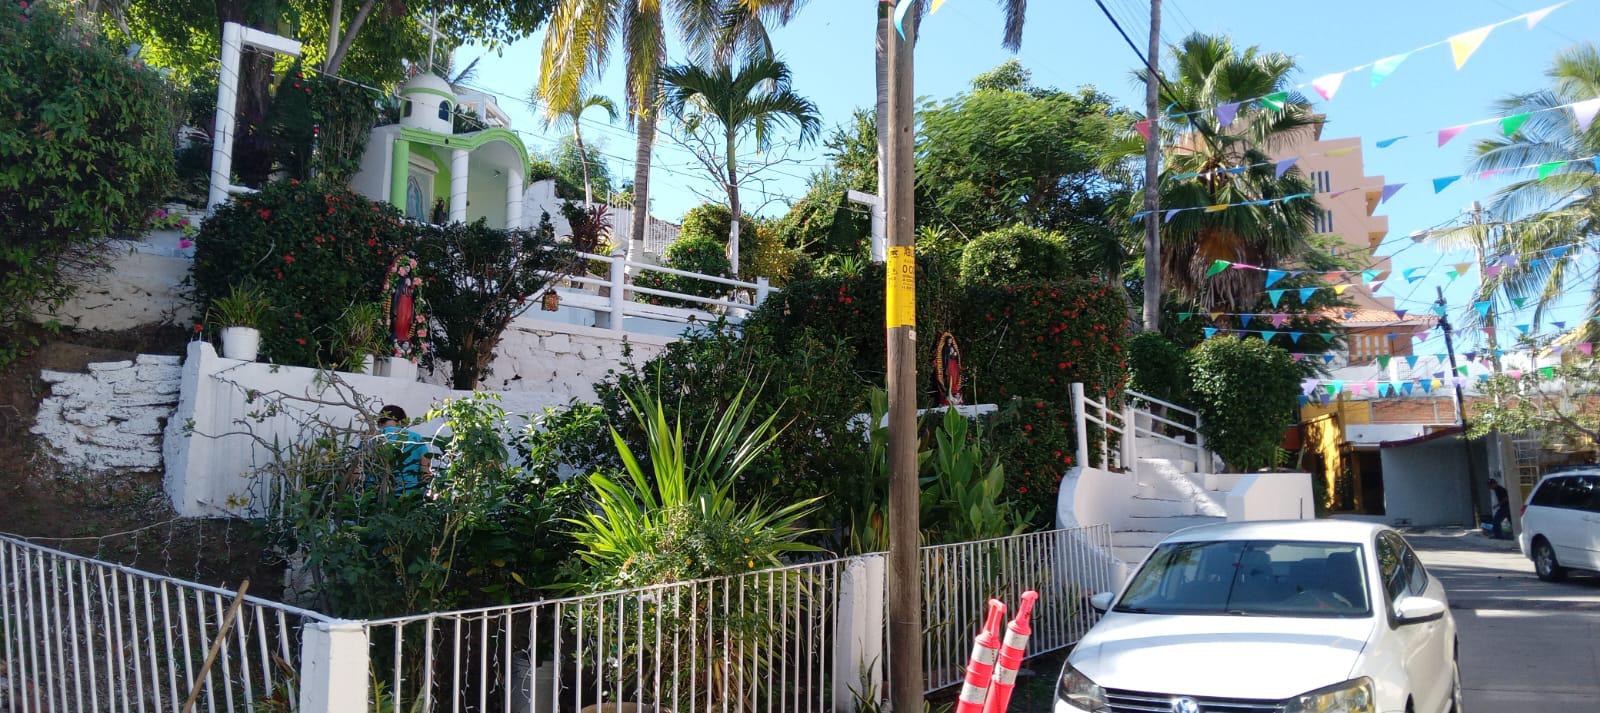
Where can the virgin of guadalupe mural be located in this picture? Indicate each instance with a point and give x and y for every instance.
(947, 370)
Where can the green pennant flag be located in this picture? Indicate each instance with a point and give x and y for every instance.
(1184, 316)
(1327, 335)
(1519, 301)
(1275, 100)
(1510, 124)
(1383, 361)
(1217, 266)
(1545, 169)
(1462, 370)
(1548, 372)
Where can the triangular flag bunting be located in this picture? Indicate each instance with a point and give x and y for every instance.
(1587, 348)
(1274, 275)
(1184, 316)
(1217, 266)
(1537, 15)
(1407, 387)
(1382, 68)
(1170, 213)
(1383, 361)
(1209, 332)
(1327, 358)
(1463, 267)
(1426, 384)
(1328, 84)
(1383, 390)
(1284, 166)
(1335, 386)
(1244, 319)
(1278, 320)
(1275, 100)
(1294, 337)
(1451, 275)
(1306, 293)
(1482, 307)
(1143, 127)
(1268, 335)
(1449, 133)
(1389, 190)
(1275, 296)
(1439, 184)
(1217, 208)
(1584, 112)
(1545, 169)
(1386, 143)
(1411, 361)
(1560, 252)
(1373, 286)
(1400, 313)
(1463, 45)
(1226, 113)
(1412, 274)
(1510, 124)
(1490, 271)
(1523, 328)
(1370, 275)
(1519, 301)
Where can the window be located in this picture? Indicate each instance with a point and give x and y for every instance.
(1555, 493)
(1586, 492)
(1392, 565)
(1257, 578)
(1323, 182)
(1416, 574)
(1323, 223)
(444, 110)
(405, 108)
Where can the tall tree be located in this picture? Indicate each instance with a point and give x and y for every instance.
(749, 101)
(572, 114)
(579, 43)
(1210, 71)
(1555, 205)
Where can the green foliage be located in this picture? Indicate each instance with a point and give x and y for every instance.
(963, 489)
(564, 163)
(707, 221)
(762, 252)
(1009, 76)
(477, 280)
(319, 126)
(1158, 367)
(85, 152)
(243, 306)
(315, 250)
(704, 255)
(676, 517)
(1015, 254)
(1034, 438)
(361, 332)
(823, 223)
(561, 439)
(1246, 392)
(1554, 402)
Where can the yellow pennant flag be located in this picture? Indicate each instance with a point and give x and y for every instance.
(1218, 208)
(1463, 45)
(1339, 289)
(1463, 267)
(935, 8)
(1341, 151)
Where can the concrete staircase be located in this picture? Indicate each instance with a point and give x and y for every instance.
(1171, 496)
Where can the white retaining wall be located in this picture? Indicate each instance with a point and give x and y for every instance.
(111, 417)
(564, 360)
(144, 285)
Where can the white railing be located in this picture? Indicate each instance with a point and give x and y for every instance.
(1112, 443)
(1152, 422)
(617, 304)
(84, 635)
(1066, 567)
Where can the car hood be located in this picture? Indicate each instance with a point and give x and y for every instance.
(1220, 656)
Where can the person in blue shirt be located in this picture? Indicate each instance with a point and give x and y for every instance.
(415, 460)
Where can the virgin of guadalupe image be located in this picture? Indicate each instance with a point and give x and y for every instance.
(947, 370)
(402, 307)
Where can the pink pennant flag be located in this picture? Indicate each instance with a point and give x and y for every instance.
(1327, 85)
(1492, 270)
(1584, 112)
(1143, 127)
(1372, 386)
(1587, 348)
(1538, 15)
(1446, 134)
(1374, 285)
(1278, 320)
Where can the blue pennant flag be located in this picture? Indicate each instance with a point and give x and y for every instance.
(1383, 389)
(1411, 361)
(1210, 332)
(1439, 184)
(1303, 400)
(1274, 275)
(1327, 358)
(1427, 386)
(1438, 310)
(1523, 328)
(1482, 306)
(1400, 313)
(1560, 325)
(1294, 337)
(1244, 319)
(1386, 143)
(1536, 263)
(1306, 293)
(1415, 273)
(1268, 335)
(1407, 387)
(1560, 252)
(1275, 295)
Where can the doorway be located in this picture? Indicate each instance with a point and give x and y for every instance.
(1369, 473)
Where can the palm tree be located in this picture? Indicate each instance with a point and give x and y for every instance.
(1540, 217)
(1210, 71)
(752, 100)
(572, 114)
(579, 41)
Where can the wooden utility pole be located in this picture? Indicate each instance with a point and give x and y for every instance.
(905, 578)
(1461, 406)
(1152, 175)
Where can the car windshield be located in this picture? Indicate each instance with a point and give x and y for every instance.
(1250, 578)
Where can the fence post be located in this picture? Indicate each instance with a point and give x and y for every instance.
(619, 271)
(858, 633)
(1130, 434)
(763, 290)
(1203, 459)
(333, 667)
(1080, 424)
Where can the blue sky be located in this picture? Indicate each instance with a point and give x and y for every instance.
(1069, 43)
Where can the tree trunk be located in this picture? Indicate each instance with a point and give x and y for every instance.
(583, 160)
(733, 204)
(1152, 177)
(641, 175)
(335, 16)
(880, 58)
(336, 56)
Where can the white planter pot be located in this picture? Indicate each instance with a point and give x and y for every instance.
(402, 369)
(241, 343)
(532, 690)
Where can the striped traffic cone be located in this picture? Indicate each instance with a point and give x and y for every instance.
(980, 667)
(1010, 658)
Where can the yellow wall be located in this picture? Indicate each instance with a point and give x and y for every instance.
(1323, 427)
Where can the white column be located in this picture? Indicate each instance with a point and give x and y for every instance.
(513, 198)
(858, 636)
(618, 313)
(333, 667)
(458, 186)
(227, 103)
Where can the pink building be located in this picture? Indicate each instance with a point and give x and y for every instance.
(1348, 198)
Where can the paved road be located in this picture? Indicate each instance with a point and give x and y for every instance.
(1526, 646)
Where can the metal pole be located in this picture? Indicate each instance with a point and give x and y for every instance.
(1152, 177)
(1480, 245)
(1461, 405)
(905, 580)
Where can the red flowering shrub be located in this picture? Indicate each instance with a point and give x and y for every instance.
(314, 251)
(1034, 439)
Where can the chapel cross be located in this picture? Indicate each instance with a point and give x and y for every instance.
(432, 26)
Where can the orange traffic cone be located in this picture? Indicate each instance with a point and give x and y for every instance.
(1010, 658)
(980, 666)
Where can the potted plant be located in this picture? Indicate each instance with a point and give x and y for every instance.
(360, 337)
(240, 316)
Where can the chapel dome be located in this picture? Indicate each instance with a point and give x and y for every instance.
(427, 102)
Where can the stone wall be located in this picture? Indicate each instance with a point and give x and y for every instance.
(110, 418)
(561, 360)
(144, 284)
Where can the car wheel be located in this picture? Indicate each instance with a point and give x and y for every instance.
(1456, 705)
(1544, 562)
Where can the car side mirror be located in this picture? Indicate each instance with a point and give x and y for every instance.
(1416, 610)
(1102, 601)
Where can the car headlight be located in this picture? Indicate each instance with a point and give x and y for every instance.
(1353, 696)
(1077, 690)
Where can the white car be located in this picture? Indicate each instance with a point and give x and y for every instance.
(1270, 617)
(1561, 524)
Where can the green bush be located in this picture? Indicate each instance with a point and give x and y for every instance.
(701, 255)
(707, 220)
(315, 251)
(1158, 367)
(1035, 440)
(1016, 254)
(86, 150)
(319, 126)
(1245, 391)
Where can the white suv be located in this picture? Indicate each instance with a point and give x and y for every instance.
(1561, 524)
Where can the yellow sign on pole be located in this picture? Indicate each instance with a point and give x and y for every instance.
(901, 300)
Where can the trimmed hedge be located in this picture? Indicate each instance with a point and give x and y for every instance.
(1158, 367)
(1227, 372)
(314, 249)
(1016, 254)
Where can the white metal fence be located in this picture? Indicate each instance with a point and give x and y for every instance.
(84, 635)
(618, 303)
